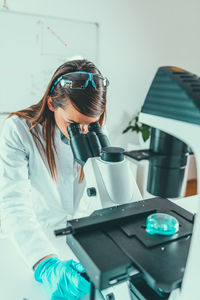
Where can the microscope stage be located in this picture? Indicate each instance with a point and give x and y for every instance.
(113, 241)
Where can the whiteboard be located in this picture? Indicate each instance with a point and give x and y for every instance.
(32, 48)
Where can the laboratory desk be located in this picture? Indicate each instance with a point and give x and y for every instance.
(17, 280)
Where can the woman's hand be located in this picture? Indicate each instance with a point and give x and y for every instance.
(62, 279)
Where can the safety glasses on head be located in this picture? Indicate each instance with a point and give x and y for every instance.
(80, 80)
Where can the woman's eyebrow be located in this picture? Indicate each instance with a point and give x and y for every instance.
(72, 121)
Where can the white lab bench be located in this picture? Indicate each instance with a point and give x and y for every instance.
(16, 279)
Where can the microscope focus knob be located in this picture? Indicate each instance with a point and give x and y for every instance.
(112, 154)
(91, 192)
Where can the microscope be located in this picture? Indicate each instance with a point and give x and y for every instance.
(122, 260)
(109, 180)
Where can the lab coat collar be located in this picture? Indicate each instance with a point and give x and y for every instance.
(64, 138)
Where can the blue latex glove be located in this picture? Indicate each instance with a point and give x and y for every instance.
(62, 279)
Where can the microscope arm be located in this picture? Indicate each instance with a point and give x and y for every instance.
(188, 133)
(109, 184)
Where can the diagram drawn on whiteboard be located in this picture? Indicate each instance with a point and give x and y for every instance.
(34, 47)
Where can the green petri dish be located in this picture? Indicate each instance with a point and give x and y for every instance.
(162, 224)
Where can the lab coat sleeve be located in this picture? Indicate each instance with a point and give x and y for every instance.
(17, 216)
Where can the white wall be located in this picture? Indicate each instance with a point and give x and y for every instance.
(136, 37)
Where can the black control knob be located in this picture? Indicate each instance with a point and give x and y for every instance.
(91, 192)
(110, 296)
(112, 154)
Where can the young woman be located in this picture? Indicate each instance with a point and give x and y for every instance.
(40, 183)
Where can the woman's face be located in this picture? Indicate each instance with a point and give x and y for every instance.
(68, 115)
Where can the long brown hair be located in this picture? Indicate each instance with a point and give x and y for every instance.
(90, 102)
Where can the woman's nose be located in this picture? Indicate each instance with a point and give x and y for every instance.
(84, 129)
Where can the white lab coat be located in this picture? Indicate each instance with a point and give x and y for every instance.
(29, 198)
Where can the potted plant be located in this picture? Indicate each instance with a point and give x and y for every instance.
(135, 125)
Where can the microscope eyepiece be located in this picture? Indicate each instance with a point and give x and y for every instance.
(74, 129)
(79, 143)
(95, 127)
(86, 145)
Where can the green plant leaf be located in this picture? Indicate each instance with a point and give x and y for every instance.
(145, 134)
(146, 127)
(137, 128)
(135, 125)
(127, 129)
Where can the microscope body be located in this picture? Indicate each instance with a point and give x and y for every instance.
(109, 180)
(173, 106)
(109, 183)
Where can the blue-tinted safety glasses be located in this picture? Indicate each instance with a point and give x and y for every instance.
(80, 80)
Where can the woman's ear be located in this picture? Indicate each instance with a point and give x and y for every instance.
(49, 103)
